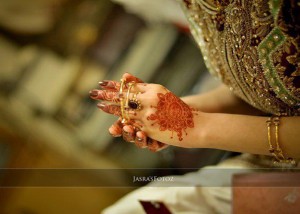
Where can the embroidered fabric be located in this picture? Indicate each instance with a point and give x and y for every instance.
(253, 47)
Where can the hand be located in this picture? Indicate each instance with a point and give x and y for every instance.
(163, 116)
(131, 131)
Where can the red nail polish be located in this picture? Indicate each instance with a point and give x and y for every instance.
(139, 139)
(103, 83)
(126, 133)
(101, 105)
(115, 135)
(94, 94)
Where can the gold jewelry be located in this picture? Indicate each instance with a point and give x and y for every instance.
(277, 152)
(130, 85)
(271, 148)
(276, 121)
(121, 97)
(134, 103)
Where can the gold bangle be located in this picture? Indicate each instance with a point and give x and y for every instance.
(130, 85)
(277, 152)
(271, 148)
(126, 106)
(121, 97)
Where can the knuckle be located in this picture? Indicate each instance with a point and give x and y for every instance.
(148, 115)
(157, 87)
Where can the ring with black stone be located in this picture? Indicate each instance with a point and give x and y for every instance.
(134, 103)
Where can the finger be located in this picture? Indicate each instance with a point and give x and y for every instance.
(128, 133)
(115, 86)
(110, 85)
(141, 139)
(110, 109)
(116, 110)
(130, 78)
(135, 107)
(136, 124)
(161, 146)
(155, 146)
(152, 145)
(111, 96)
(116, 129)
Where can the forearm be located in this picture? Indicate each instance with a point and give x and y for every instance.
(165, 118)
(220, 100)
(248, 134)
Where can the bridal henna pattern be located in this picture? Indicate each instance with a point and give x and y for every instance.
(172, 114)
(110, 109)
(109, 85)
(116, 129)
(111, 96)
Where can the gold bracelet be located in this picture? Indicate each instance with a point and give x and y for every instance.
(271, 148)
(130, 85)
(277, 152)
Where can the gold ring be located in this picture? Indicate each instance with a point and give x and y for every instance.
(134, 103)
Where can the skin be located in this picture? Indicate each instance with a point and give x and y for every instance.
(131, 132)
(172, 114)
(221, 121)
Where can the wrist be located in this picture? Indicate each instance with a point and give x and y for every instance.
(201, 136)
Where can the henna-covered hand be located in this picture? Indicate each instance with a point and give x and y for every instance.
(164, 116)
(172, 114)
(131, 132)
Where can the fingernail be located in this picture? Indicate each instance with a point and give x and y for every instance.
(93, 94)
(126, 133)
(139, 139)
(101, 105)
(129, 134)
(115, 135)
(103, 83)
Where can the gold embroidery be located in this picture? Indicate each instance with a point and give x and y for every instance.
(229, 33)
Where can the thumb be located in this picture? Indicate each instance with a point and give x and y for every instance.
(130, 78)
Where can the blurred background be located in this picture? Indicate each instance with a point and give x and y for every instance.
(52, 52)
